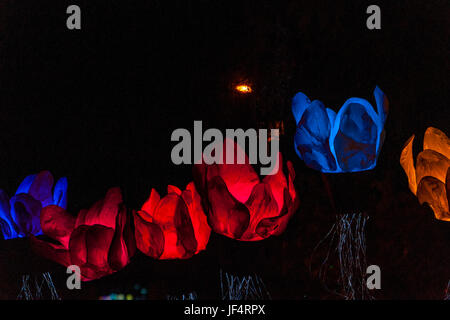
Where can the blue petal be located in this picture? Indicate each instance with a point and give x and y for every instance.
(26, 184)
(355, 135)
(60, 193)
(299, 104)
(25, 212)
(382, 104)
(6, 223)
(311, 138)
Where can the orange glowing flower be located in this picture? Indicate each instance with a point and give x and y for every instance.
(429, 180)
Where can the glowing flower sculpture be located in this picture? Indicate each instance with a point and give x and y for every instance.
(19, 216)
(429, 180)
(241, 206)
(348, 141)
(99, 240)
(173, 227)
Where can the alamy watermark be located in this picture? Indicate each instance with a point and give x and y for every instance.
(256, 141)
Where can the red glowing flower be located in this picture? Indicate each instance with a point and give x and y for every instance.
(99, 240)
(173, 227)
(241, 206)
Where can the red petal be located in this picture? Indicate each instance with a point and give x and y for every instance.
(149, 237)
(57, 224)
(103, 212)
(50, 251)
(226, 215)
(150, 206)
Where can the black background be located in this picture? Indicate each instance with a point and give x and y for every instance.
(98, 105)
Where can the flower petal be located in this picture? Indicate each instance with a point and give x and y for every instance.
(119, 253)
(50, 251)
(41, 188)
(198, 218)
(226, 214)
(436, 140)
(149, 237)
(354, 136)
(7, 225)
(300, 103)
(57, 224)
(103, 212)
(433, 164)
(432, 191)
(60, 193)
(407, 163)
(312, 138)
(25, 212)
(150, 205)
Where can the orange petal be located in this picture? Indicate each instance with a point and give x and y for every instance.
(433, 164)
(436, 140)
(432, 191)
(407, 163)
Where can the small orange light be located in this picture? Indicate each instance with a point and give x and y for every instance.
(243, 88)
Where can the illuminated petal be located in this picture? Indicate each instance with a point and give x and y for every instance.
(150, 205)
(26, 183)
(436, 140)
(227, 215)
(119, 254)
(57, 224)
(103, 212)
(50, 251)
(382, 104)
(354, 136)
(173, 189)
(407, 163)
(300, 103)
(172, 217)
(433, 192)
(60, 193)
(149, 237)
(239, 178)
(89, 248)
(41, 188)
(198, 218)
(261, 205)
(7, 225)
(312, 138)
(277, 183)
(25, 212)
(433, 164)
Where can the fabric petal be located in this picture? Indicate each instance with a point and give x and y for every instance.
(25, 212)
(119, 256)
(261, 205)
(150, 205)
(57, 224)
(60, 193)
(26, 184)
(436, 140)
(149, 237)
(41, 188)
(354, 136)
(198, 218)
(433, 164)
(7, 225)
(312, 138)
(433, 192)
(239, 178)
(382, 104)
(300, 103)
(103, 212)
(407, 163)
(50, 251)
(227, 215)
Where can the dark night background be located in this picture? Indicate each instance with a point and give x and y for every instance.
(98, 105)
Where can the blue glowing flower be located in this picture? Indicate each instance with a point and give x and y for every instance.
(20, 215)
(348, 141)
